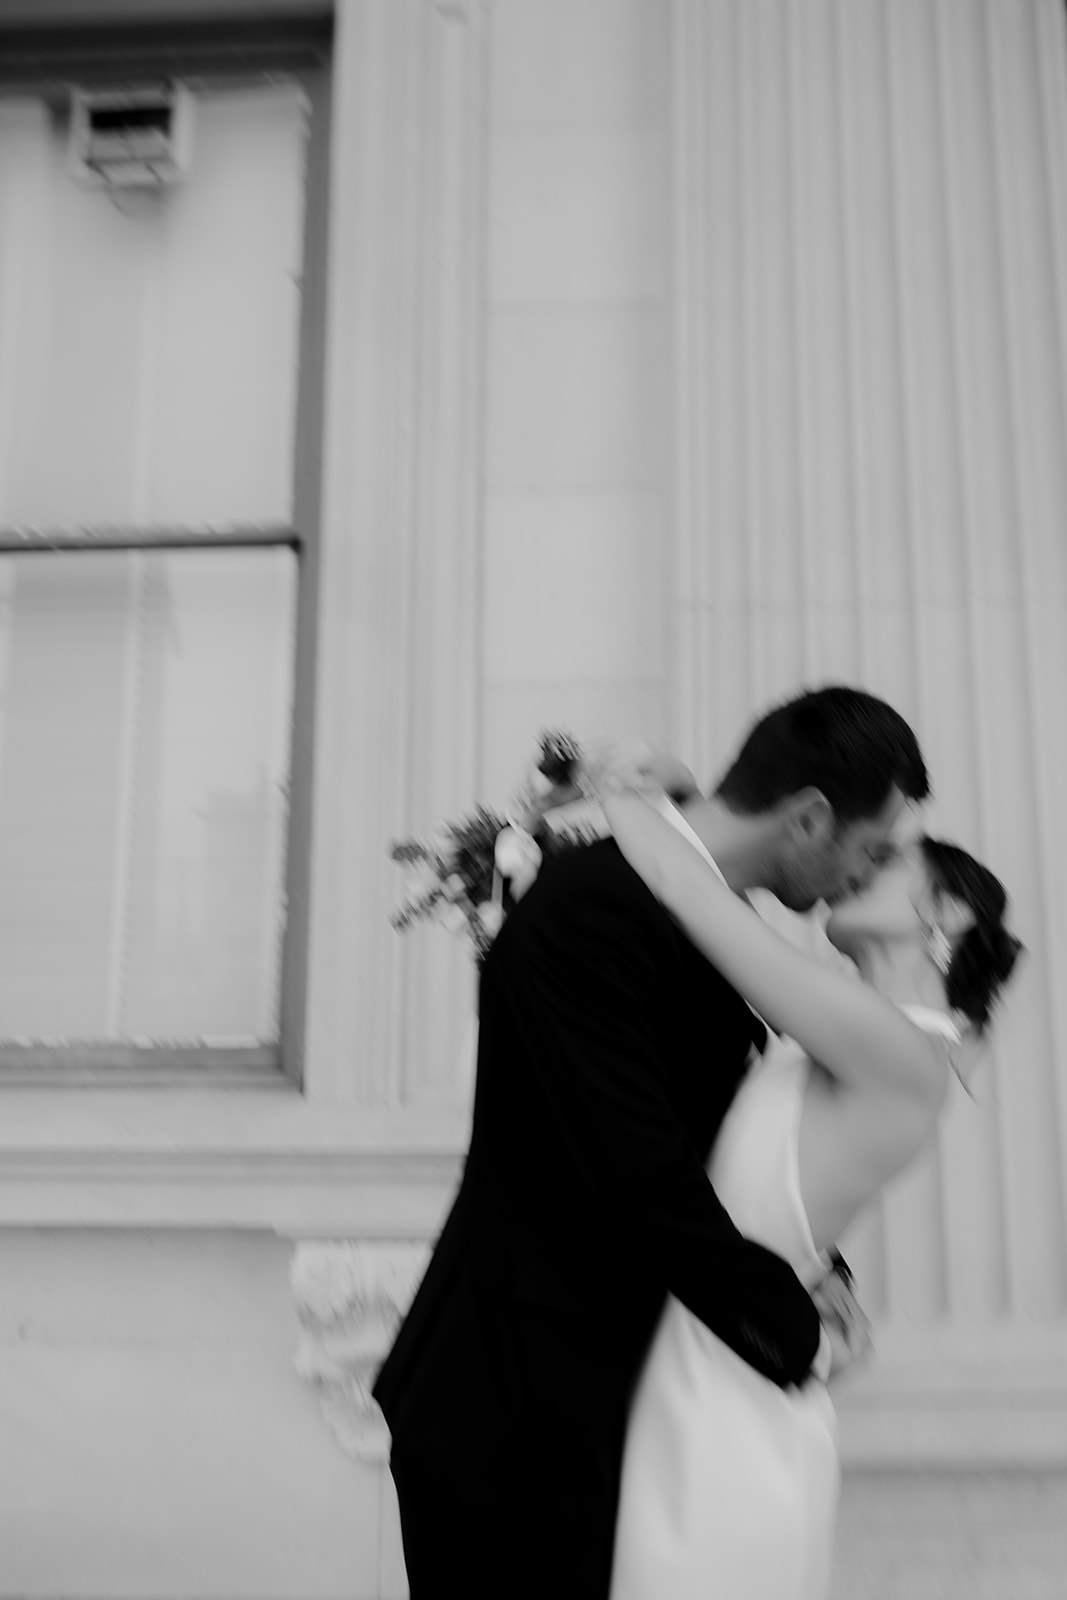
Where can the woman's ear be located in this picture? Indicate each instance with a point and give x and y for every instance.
(954, 916)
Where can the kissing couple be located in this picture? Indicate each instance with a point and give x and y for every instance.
(611, 1384)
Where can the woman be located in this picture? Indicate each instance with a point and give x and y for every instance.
(729, 1485)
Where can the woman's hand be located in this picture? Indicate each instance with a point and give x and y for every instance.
(610, 766)
(845, 1321)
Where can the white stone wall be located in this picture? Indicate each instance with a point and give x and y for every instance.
(157, 1439)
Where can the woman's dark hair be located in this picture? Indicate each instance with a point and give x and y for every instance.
(983, 959)
(846, 743)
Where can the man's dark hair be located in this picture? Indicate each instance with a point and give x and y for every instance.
(850, 745)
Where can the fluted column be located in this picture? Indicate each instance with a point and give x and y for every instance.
(870, 230)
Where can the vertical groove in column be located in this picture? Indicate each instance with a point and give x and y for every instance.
(780, 597)
(1043, 571)
(973, 1190)
(798, 212)
(709, 383)
(867, 1245)
(1015, 1293)
(690, 356)
(1045, 593)
(747, 184)
(1022, 1160)
(830, 643)
(902, 314)
(1034, 1178)
(915, 1224)
(702, 530)
(1052, 97)
(844, 460)
(709, 380)
(728, 534)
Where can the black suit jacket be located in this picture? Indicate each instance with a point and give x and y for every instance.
(609, 1051)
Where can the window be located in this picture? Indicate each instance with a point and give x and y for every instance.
(160, 369)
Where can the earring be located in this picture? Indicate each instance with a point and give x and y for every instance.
(938, 947)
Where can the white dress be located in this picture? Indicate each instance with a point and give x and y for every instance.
(730, 1484)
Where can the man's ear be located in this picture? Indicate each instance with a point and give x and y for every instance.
(810, 817)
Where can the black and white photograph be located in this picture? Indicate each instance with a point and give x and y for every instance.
(533, 779)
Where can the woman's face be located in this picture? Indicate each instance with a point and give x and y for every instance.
(895, 905)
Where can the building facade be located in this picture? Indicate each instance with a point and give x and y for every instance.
(618, 364)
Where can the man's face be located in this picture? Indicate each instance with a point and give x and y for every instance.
(892, 907)
(823, 862)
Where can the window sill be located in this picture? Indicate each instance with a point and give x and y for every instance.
(223, 1158)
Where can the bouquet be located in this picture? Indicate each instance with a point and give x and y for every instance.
(466, 875)
(452, 878)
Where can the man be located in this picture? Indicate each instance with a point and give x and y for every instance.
(609, 1052)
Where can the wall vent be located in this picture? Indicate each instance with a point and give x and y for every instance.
(138, 137)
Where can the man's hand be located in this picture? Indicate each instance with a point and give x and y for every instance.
(847, 1326)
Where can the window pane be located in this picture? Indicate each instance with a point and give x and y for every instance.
(148, 339)
(145, 704)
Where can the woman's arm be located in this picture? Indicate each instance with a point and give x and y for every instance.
(860, 1038)
(672, 775)
(634, 764)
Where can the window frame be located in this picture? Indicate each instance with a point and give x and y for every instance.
(358, 1147)
(46, 61)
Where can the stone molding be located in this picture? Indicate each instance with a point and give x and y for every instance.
(350, 1298)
